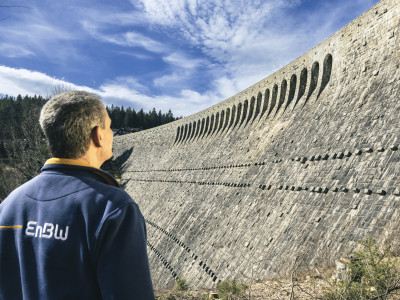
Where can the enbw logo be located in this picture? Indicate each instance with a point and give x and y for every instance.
(47, 231)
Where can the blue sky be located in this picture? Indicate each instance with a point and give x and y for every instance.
(183, 55)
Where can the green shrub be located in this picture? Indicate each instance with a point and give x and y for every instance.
(372, 274)
(181, 284)
(230, 290)
(166, 297)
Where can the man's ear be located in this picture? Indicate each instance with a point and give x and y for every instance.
(97, 136)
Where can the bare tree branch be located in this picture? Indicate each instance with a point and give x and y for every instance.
(4, 5)
(14, 6)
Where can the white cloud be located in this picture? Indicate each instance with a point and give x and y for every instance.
(135, 39)
(186, 102)
(12, 51)
(121, 91)
(169, 79)
(182, 61)
(32, 34)
(26, 82)
(129, 82)
(216, 27)
(125, 39)
(226, 87)
(183, 70)
(110, 17)
(248, 39)
(136, 55)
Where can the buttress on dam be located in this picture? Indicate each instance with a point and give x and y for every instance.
(304, 163)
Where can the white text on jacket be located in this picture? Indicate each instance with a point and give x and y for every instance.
(47, 231)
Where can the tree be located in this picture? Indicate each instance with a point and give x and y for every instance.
(153, 119)
(371, 274)
(58, 89)
(23, 149)
(129, 118)
(140, 116)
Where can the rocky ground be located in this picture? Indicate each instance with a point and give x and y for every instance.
(307, 287)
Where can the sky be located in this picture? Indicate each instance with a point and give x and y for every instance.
(183, 55)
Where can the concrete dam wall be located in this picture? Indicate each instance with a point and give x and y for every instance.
(304, 163)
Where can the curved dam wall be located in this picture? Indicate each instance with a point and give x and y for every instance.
(304, 163)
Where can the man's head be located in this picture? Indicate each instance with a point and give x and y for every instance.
(72, 121)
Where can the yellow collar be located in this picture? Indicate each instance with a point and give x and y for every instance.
(73, 162)
(68, 161)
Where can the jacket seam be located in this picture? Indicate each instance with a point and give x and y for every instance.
(63, 196)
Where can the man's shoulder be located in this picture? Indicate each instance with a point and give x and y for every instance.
(49, 186)
(107, 196)
(115, 195)
(19, 191)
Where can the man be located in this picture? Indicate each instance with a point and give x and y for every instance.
(71, 232)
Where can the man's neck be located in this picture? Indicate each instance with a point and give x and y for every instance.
(90, 160)
(69, 161)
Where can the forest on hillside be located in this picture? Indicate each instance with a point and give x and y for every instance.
(121, 117)
(23, 149)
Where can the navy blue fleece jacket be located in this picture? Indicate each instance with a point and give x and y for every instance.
(72, 233)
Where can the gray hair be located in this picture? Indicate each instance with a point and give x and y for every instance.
(67, 121)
